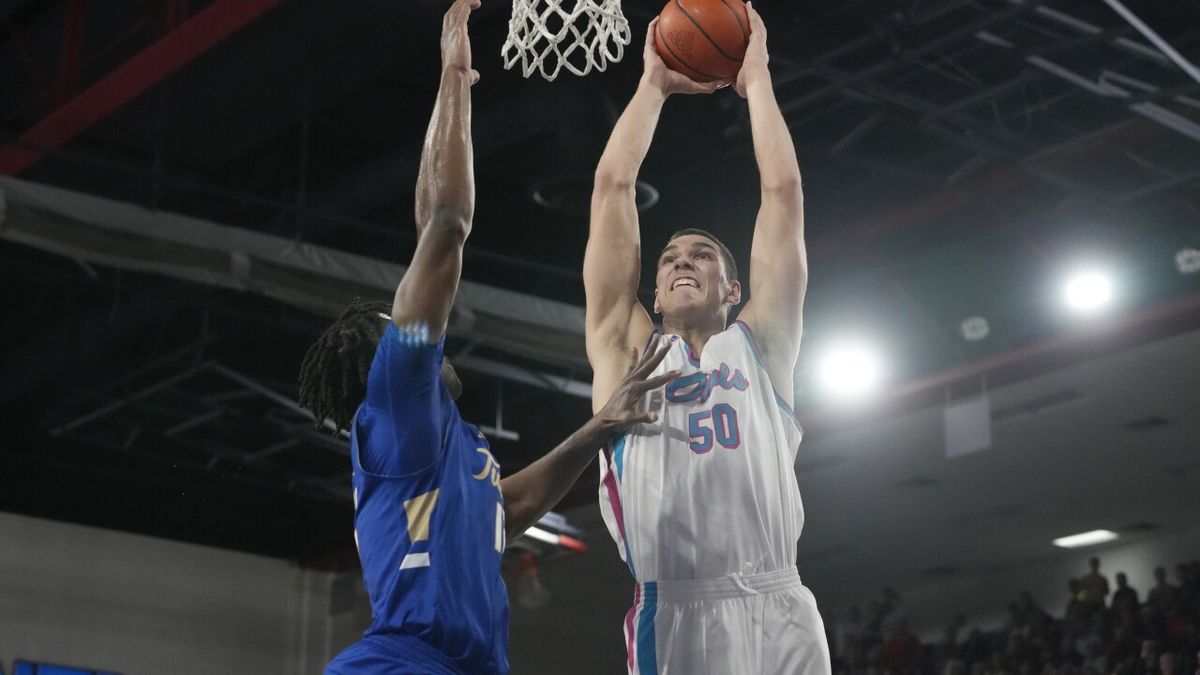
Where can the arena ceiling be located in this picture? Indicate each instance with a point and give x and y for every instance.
(957, 155)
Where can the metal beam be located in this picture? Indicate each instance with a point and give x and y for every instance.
(1149, 33)
(149, 67)
(891, 64)
(506, 371)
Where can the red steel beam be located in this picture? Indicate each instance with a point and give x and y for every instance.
(149, 67)
(68, 64)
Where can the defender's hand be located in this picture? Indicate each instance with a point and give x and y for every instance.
(658, 75)
(754, 65)
(456, 44)
(623, 409)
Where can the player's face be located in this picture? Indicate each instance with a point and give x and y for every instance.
(691, 278)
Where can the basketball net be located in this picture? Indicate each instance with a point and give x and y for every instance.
(545, 36)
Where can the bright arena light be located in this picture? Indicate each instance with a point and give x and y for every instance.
(851, 372)
(1085, 539)
(1187, 261)
(1088, 291)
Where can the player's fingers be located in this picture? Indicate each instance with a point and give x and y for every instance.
(650, 33)
(633, 362)
(462, 10)
(641, 418)
(757, 27)
(648, 365)
(657, 381)
(474, 76)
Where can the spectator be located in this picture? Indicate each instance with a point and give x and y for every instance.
(901, 651)
(848, 630)
(1189, 586)
(1157, 637)
(1094, 586)
(1148, 659)
(949, 649)
(1168, 663)
(1180, 626)
(1075, 607)
(894, 611)
(1030, 608)
(1124, 598)
(1162, 596)
(956, 667)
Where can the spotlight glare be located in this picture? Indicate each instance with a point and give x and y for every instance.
(1187, 261)
(1085, 539)
(851, 372)
(974, 328)
(1088, 291)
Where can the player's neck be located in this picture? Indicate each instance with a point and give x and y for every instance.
(695, 334)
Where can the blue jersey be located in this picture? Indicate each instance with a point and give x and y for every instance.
(429, 523)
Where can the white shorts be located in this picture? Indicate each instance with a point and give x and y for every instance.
(737, 625)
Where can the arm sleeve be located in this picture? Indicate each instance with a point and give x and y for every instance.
(403, 419)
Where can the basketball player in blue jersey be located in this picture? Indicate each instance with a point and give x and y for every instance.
(432, 512)
(704, 505)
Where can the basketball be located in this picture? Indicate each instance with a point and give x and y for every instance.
(703, 39)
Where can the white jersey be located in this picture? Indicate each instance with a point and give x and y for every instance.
(709, 490)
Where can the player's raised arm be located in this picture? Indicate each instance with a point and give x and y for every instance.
(612, 262)
(778, 264)
(445, 201)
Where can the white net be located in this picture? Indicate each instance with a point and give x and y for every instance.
(546, 36)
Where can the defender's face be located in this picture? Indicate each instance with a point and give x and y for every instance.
(690, 278)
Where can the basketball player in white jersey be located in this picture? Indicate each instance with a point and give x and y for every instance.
(704, 504)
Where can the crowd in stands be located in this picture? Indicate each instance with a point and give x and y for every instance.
(1100, 631)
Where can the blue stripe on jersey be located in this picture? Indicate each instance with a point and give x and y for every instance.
(619, 456)
(618, 453)
(791, 414)
(647, 657)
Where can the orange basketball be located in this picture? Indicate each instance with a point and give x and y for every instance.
(703, 39)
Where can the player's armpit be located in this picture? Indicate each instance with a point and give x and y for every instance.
(608, 351)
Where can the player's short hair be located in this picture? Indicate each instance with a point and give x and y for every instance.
(333, 376)
(731, 269)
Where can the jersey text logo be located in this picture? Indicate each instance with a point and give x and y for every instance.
(699, 386)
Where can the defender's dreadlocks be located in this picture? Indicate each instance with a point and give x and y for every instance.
(333, 377)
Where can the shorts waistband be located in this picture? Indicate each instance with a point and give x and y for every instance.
(730, 586)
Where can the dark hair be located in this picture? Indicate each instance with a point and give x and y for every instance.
(333, 376)
(731, 269)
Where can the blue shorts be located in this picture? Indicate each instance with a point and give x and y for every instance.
(391, 655)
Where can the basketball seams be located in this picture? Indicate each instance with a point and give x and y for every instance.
(738, 18)
(703, 32)
(666, 43)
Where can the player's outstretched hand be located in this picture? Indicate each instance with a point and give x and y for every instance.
(456, 44)
(666, 80)
(624, 407)
(754, 65)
